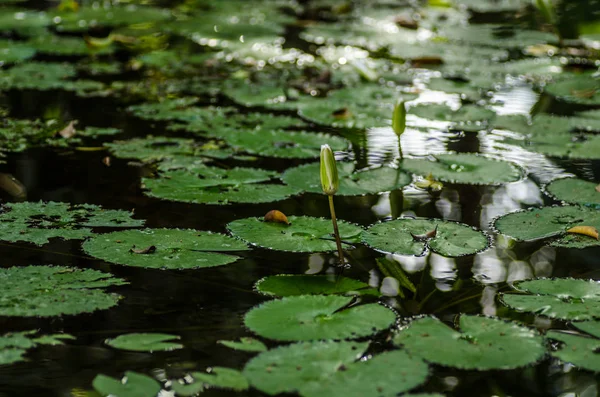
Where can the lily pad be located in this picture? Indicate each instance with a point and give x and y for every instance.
(550, 222)
(311, 317)
(282, 144)
(38, 222)
(44, 76)
(402, 236)
(575, 191)
(46, 291)
(164, 248)
(246, 344)
(466, 118)
(151, 148)
(133, 384)
(23, 20)
(566, 299)
(144, 342)
(13, 346)
(301, 284)
(303, 234)
(360, 106)
(300, 366)
(14, 51)
(372, 181)
(90, 17)
(469, 169)
(217, 377)
(211, 185)
(576, 88)
(483, 343)
(579, 350)
(65, 46)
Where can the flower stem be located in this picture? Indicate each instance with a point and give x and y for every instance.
(336, 231)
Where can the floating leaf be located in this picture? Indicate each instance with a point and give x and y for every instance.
(567, 299)
(466, 118)
(90, 17)
(373, 181)
(300, 366)
(65, 46)
(310, 317)
(144, 342)
(276, 216)
(54, 290)
(547, 222)
(483, 343)
(133, 384)
(304, 234)
(401, 236)
(301, 284)
(14, 51)
(38, 222)
(577, 88)
(246, 344)
(151, 148)
(574, 191)
(14, 345)
(45, 76)
(175, 248)
(211, 185)
(218, 377)
(589, 231)
(579, 350)
(464, 168)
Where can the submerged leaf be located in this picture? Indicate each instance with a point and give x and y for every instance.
(301, 318)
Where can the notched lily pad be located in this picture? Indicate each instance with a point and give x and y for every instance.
(246, 344)
(173, 248)
(575, 191)
(550, 222)
(302, 284)
(311, 317)
(469, 169)
(483, 343)
(144, 342)
(13, 346)
(46, 291)
(304, 234)
(133, 384)
(582, 89)
(38, 222)
(566, 299)
(372, 181)
(579, 350)
(408, 236)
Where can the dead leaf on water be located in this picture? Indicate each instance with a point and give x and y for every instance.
(13, 186)
(106, 161)
(148, 250)
(598, 188)
(276, 216)
(590, 231)
(587, 93)
(69, 131)
(427, 236)
(342, 113)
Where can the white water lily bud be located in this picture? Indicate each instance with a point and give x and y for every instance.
(329, 176)
(399, 118)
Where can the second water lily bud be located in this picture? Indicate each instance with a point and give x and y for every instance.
(329, 176)
(399, 118)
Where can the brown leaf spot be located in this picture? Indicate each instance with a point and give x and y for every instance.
(148, 250)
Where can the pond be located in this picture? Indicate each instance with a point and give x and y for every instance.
(165, 232)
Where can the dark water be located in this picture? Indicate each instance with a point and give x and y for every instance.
(207, 305)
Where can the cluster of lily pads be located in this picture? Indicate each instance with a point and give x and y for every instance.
(223, 97)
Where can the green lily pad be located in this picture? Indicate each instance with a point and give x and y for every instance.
(294, 367)
(495, 35)
(311, 317)
(211, 185)
(467, 117)
(579, 350)
(574, 191)
(467, 168)
(151, 148)
(576, 88)
(301, 284)
(372, 181)
(13, 346)
(90, 17)
(483, 343)
(282, 144)
(217, 377)
(385, 374)
(65, 46)
(303, 234)
(98, 132)
(549, 222)
(38, 222)
(567, 299)
(144, 342)
(267, 92)
(14, 51)
(246, 344)
(360, 106)
(164, 248)
(451, 239)
(494, 6)
(54, 290)
(133, 384)
(22, 20)
(464, 88)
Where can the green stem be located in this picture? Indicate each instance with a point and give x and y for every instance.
(336, 231)
(400, 149)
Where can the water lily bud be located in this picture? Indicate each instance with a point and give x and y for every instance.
(329, 176)
(399, 118)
